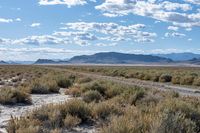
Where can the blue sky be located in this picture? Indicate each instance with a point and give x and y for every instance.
(59, 29)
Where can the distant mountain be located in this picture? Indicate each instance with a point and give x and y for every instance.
(118, 58)
(194, 61)
(3, 63)
(20, 62)
(179, 56)
(48, 61)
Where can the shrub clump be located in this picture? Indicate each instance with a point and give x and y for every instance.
(13, 96)
(75, 91)
(92, 96)
(46, 87)
(187, 80)
(71, 121)
(64, 82)
(54, 117)
(165, 78)
(95, 86)
(176, 79)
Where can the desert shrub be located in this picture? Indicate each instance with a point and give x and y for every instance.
(105, 109)
(65, 115)
(196, 82)
(176, 122)
(95, 86)
(52, 86)
(92, 96)
(155, 78)
(84, 80)
(64, 82)
(165, 78)
(130, 122)
(139, 94)
(44, 87)
(147, 77)
(75, 91)
(38, 88)
(113, 91)
(78, 108)
(13, 96)
(176, 79)
(187, 80)
(183, 112)
(119, 125)
(71, 121)
(23, 125)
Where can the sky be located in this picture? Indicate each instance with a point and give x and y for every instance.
(61, 29)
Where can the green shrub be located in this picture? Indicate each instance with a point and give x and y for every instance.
(136, 96)
(92, 96)
(176, 122)
(104, 110)
(64, 82)
(95, 86)
(113, 91)
(38, 88)
(13, 96)
(78, 108)
(84, 80)
(44, 87)
(165, 78)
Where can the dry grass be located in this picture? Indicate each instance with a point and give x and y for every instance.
(13, 96)
(113, 107)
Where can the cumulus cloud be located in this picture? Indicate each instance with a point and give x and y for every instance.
(176, 13)
(8, 20)
(3, 20)
(174, 28)
(193, 1)
(84, 34)
(35, 25)
(174, 34)
(112, 31)
(68, 3)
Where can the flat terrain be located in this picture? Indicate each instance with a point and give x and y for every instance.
(102, 92)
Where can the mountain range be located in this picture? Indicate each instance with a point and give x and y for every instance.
(179, 56)
(3, 63)
(119, 58)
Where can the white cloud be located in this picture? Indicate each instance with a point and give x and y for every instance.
(35, 25)
(106, 44)
(84, 34)
(176, 13)
(18, 19)
(113, 31)
(68, 3)
(174, 34)
(193, 1)
(3, 20)
(174, 28)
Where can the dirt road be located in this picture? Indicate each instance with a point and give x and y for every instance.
(186, 91)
